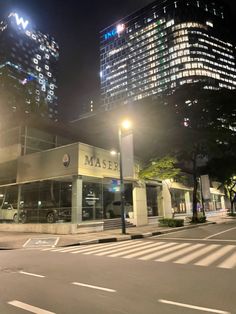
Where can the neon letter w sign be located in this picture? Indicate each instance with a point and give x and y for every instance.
(20, 21)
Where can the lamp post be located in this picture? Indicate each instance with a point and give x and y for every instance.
(124, 125)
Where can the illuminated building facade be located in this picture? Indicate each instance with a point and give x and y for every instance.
(28, 61)
(167, 44)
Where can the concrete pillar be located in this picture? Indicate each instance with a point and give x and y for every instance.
(167, 205)
(188, 203)
(160, 202)
(76, 215)
(18, 203)
(140, 205)
(222, 199)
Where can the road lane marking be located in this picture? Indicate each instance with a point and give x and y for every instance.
(135, 249)
(215, 256)
(199, 253)
(99, 248)
(174, 255)
(192, 239)
(143, 252)
(140, 245)
(162, 252)
(84, 247)
(121, 246)
(216, 234)
(29, 308)
(194, 307)
(93, 287)
(31, 274)
(229, 262)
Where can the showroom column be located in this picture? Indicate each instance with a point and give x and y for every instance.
(167, 204)
(188, 203)
(76, 215)
(140, 204)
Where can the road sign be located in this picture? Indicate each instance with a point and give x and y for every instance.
(41, 242)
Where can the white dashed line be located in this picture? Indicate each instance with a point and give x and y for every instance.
(216, 234)
(29, 308)
(31, 274)
(92, 287)
(199, 308)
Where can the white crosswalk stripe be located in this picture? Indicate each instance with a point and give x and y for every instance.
(199, 254)
(215, 256)
(189, 258)
(229, 262)
(179, 253)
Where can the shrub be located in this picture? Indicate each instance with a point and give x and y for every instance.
(200, 219)
(170, 222)
(232, 214)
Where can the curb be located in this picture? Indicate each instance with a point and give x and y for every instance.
(138, 235)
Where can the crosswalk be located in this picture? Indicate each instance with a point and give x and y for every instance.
(199, 254)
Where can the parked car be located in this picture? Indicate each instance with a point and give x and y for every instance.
(8, 212)
(113, 210)
(48, 215)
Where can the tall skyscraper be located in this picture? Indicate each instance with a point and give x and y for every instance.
(166, 44)
(28, 61)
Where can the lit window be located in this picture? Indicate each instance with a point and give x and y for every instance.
(209, 23)
(35, 61)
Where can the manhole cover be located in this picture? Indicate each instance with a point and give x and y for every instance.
(41, 242)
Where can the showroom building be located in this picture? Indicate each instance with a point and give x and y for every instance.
(75, 188)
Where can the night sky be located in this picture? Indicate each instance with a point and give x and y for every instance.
(75, 24)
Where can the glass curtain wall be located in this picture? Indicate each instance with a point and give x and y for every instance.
(101, 199)
(40, 202)
(178, 201)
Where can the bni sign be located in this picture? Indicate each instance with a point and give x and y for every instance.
(115, 31)
(19, 20)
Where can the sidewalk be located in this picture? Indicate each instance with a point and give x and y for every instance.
(17, 240)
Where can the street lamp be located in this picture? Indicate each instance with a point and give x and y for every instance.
(125, 125)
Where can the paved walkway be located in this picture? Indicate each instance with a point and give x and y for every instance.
(14, 240)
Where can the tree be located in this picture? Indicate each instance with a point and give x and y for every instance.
(162, 169)
(224, 170)
(201, 126)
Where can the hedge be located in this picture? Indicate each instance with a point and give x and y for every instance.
(171, 222)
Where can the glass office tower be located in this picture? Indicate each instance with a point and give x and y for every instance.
(28, 61)
(166, 44)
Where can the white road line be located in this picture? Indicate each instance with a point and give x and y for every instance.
(89, 247)
(179, 253)
(216, 234)
(123, 245)
(82, 247)
(159, 235)
(31, 274)
(92, 287)
(215, 256)
(29, 308)
(136, 249)
(229, 262)
(190, 239)
(26, 242)
(198, 253)
(143, 252)
(57, 240)
(194, 307)
(142, 244)
(162, 252)
(102, 247)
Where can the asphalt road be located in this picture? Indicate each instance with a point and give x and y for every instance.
(187, 272)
